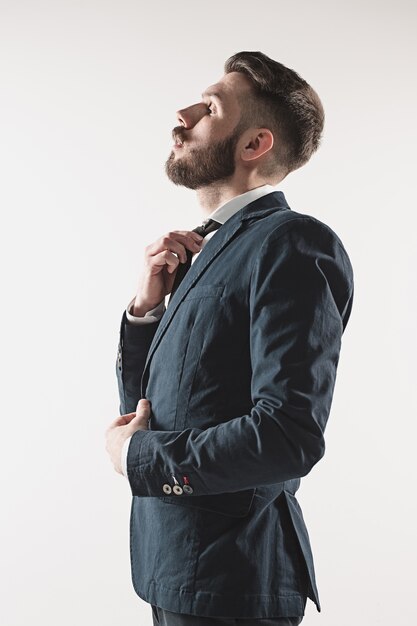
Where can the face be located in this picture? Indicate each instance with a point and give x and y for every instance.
(209, 133)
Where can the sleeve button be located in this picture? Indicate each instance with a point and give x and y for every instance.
(188, 489)
(177, 490)
(166, 488)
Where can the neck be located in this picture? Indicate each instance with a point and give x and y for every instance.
(217, 194)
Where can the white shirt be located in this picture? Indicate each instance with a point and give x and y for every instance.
(221, 214)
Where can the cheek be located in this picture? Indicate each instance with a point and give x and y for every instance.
(212, 129)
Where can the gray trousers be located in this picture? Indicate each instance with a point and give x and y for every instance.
(161, 617)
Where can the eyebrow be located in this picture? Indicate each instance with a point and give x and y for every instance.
(212, 94)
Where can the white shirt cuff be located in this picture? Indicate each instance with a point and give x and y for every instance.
(150, 316)
(124, 455)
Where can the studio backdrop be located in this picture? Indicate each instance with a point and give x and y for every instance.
(89, 95)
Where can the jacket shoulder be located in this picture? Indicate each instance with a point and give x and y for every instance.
(300, 246)
(281, 222)
(303, 227)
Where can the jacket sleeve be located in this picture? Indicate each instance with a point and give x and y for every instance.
(134, 344)
(300, 298)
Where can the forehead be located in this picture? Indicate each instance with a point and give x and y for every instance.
(228, 88)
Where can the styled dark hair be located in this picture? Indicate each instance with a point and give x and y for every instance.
(284, 103)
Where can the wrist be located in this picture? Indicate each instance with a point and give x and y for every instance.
(139, 308)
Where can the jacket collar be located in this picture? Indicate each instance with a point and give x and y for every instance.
(274, 201)
(231, 206)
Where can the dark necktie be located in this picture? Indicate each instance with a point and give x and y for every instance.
(207, 227)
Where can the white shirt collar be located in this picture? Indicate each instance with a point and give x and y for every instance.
(229, 208)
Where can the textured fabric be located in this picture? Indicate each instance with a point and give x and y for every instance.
(240, 372)
(207, 227)
(161, 617)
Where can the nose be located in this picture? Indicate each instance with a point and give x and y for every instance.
(191, 115)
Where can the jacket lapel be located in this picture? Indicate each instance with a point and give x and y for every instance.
(256, 209)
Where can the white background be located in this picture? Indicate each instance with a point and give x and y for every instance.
(89, 91)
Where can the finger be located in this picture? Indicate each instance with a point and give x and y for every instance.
(164, 259)
(129, 417)
(181, 246)
(180, 249)
(140, 422)
(143, 410)
(186, 233)
(143, 402)
(122, 420)
(177, 243)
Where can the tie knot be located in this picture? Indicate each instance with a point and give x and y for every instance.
(207, 227)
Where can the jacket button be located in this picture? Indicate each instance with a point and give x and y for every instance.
(188, 489)
(177, 490)
(166, 488)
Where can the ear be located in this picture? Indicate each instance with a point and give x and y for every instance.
(259, 141)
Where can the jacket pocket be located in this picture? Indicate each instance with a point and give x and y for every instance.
(236, 504)
(213, 290)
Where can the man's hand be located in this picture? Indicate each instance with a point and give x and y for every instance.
(162, 258)
(123, 427)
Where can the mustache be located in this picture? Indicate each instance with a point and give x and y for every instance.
(177, 134)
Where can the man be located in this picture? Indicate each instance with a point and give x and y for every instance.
(225, 393)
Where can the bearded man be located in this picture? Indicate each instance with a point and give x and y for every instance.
(225, 390)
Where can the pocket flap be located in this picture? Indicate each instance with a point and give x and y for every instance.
(205, 291)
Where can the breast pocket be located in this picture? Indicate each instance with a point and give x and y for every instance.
(200, 291)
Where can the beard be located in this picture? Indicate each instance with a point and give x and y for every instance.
(206, 165)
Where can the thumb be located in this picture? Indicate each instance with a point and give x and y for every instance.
(143, 409)
(143, 413)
